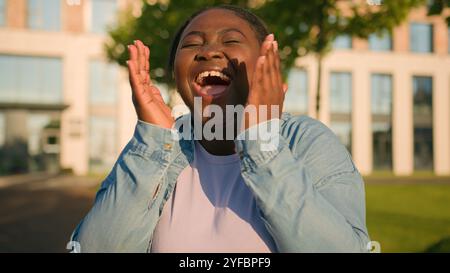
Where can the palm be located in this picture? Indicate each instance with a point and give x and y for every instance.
(148, 102)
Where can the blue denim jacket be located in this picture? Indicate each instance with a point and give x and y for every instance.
(309, 192)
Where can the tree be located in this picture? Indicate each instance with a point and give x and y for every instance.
(301, 27)
(437, 7)
(319, 23)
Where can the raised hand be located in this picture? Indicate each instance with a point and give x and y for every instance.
(267, 87)
(147, 99)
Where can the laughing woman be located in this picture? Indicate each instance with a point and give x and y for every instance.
(212, 195)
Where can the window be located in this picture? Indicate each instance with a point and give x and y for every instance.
(26, 79)
(380, 41)
(2, 130)
(343, 42)
(102, 143)
(103, 13)
(381, 106)
(297, 97)
(341, 106)
(423, 122)
(103, 82)
(2, 13)
(421, 37)
(44, 14)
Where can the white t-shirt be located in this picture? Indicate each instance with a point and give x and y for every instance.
(211, 210)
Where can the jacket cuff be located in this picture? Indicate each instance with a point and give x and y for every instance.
(148, 137)
(259, 144)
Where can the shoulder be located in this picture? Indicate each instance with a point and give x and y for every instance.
(316, 146)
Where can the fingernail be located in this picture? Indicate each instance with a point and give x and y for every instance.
(271, 37)
(135, 41)
(275, 46)
(127, 62)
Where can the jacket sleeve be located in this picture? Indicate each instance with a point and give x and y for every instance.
(310, 195)
(120, 219)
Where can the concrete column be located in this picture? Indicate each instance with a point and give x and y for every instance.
(402, 135)
(361, 121)
(16, 13)
(75, 120)
(441, 123)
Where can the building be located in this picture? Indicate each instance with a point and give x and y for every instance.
(53, 71)
(63, 105)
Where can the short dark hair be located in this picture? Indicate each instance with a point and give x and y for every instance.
(254, 21)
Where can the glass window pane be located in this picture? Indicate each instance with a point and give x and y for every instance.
(296, 100)
(103, 14)
(343, 42)
(44, 14)
(381, 102)
(421, 37)
(2, 130)
(341, 106)
(341, 92)
(102, 143)
(103, 82)
(380, 42)
(2, 13)
(423, 122)
(26, 79)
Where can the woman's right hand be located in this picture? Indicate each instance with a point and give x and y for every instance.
(148, 102)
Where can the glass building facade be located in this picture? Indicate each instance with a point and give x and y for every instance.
(381, 110)
(296, 100)
(341, 107)
(44, 14)
(423, 122)
(103, 13)
(380, 41)
(421, 37)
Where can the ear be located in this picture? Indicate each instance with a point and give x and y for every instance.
(285, 87)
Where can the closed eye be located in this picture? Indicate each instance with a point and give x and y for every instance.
(190, 45)
(231, 42)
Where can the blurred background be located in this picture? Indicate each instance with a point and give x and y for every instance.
(376, 72)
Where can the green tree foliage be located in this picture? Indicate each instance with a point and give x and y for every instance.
(437, 7)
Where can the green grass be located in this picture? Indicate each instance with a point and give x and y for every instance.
(409, 218)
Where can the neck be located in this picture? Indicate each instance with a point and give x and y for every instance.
(218, 147)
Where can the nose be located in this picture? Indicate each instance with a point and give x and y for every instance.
(209, 52)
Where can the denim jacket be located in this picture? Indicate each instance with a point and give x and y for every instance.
(309, 192)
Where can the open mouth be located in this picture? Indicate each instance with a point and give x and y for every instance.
(212, 83)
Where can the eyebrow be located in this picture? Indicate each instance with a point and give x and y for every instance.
(202, 34)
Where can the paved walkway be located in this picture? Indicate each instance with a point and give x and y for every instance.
(39, 216)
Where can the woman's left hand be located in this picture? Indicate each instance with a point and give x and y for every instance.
(267, 88)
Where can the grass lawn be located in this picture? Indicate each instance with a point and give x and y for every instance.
(408, 218)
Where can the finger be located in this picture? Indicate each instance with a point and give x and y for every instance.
(134, 78)
(267, 77)
(258, 74)
(285, 87)
(147, 58)
(272, 70)
(266, 44)
(141, 55)
(277, 71)
(133, 51)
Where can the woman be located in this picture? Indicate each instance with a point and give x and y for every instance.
(188, 194)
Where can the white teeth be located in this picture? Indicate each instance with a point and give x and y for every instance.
(205, 74)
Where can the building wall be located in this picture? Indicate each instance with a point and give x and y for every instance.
(402, 64)
(76, 46)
